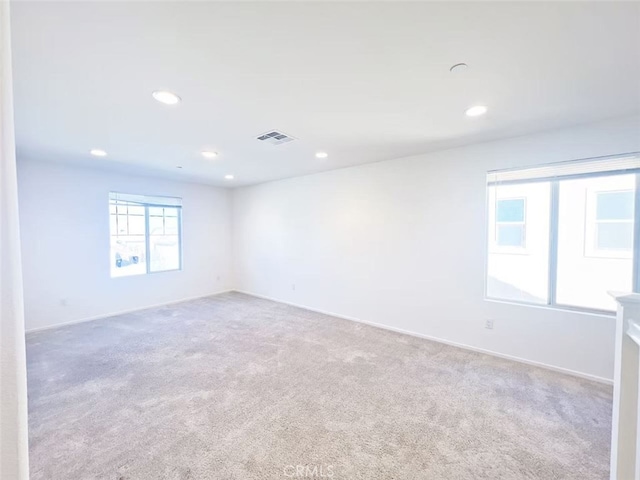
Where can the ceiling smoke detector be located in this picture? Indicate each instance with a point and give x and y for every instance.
(459, 68)
(275, 138)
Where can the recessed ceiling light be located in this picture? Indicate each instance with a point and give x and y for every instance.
(96, 152)
(476, 111)
(322, 155)
(208, 154)
(168, 98)
(228, 177)
(459, 67)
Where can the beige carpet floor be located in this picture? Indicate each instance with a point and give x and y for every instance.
(235, 387)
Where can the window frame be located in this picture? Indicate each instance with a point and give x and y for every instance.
(147, 234)
(553, 242)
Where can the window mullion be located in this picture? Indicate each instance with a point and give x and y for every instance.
(636, 236)
(146, 238)
(179, 216)
(553, 241)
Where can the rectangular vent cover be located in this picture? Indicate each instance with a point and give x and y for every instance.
(275, 138)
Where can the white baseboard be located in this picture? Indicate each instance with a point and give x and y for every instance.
(122, 312)
(566, 371)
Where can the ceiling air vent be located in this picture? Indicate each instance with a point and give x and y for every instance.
(275, 138)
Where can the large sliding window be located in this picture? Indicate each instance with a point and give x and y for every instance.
(564, 234)
(145, 234)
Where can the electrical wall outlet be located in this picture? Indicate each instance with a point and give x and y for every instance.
(488, 323)
(64, 302)
(293, 286)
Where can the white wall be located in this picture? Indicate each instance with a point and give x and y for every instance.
(64, 219)
(402, 243)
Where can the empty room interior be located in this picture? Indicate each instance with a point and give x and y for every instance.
(345, 240)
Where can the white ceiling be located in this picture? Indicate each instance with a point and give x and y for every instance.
(363, 81)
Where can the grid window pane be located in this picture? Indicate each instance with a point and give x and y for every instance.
(165, 242)
(123, 228)
(136, 210)
(128, 240)
(614, 236)
(615, 206)
(128, 255)
(136, 225)
(510, 235)
(171, 225)
(156, 225)
(510, 210)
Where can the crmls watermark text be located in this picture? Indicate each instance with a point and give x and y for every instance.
(308, 471)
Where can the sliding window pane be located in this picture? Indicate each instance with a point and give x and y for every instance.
(156, 225)
(128, 243)
(164, 240)
(164, 252)
(518, 240)
(595, 240)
